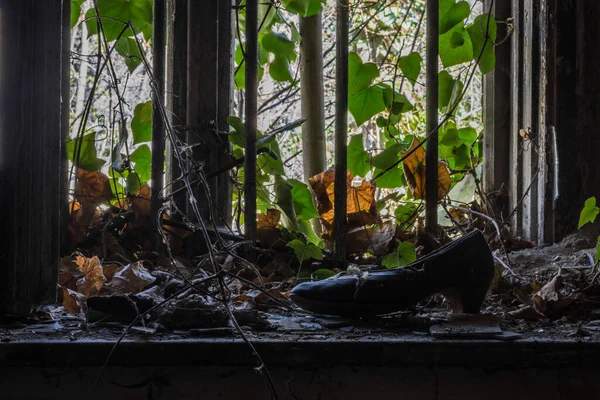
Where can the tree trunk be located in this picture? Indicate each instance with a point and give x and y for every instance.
(313, 108)
(313, 104)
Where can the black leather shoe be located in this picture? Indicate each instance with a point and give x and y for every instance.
(461, 271)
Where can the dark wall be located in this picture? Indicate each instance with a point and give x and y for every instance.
(34, 58)
(577, 109)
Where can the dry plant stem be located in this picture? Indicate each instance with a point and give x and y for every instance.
(506, 267)
(495, 226)
(179, 152)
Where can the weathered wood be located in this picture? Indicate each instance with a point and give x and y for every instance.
(209, 99)
(515, 159)
(176, 95)
(564, 115)
(497, 86)
(34, 37)
(583, 160)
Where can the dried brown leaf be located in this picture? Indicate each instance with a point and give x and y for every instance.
(93, 280)
(139, 202)
(414, 171)
(132, 278)
(361, 207)
(92, 188)
(267, 231)
(72, 301)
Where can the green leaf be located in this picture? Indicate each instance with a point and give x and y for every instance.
(87, 159)
(279, 45)
(128, 48)
(303, 202)
(141, 124)
(589, 213)
(304, 8)
(477, 32)
(405, 212)
(455, 47)
(394, 178)
(410, 66)
(117, 190)
(358, 158)
(445, 85)
(305, 227)
(305, 251)
(133, 183)
(360, 75)
(405, 254)
(237, 137)
(279, 70)
(450, 137)
(454, 13)
(597, 256)
(388, 156)
(323, 273)
(75, 12)
(367, 103)
(468, 135)
(118, 13)
(142, 157)
(461, 158)
(448, 89)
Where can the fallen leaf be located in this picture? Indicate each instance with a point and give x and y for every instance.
(267, 231)
(92, 188)
(415, 172)
(93, 280)
(72, 301)
(139, 202)
(131, 278)
(371, 239)
(110, 270)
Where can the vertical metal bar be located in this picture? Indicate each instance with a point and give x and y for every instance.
(251, 118)
(158, 128)
(431, 158)
(341, 129)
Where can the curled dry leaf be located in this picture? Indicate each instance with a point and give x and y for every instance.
(374, 240)
(267, 230)
(110, 270)
(93, 279)
(72, 301)
(361, 205)
(92, 188)
(132, 278)
(140, 204)
(414, 171)
(553, 297)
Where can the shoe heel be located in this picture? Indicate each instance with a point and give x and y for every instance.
(469, 295)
